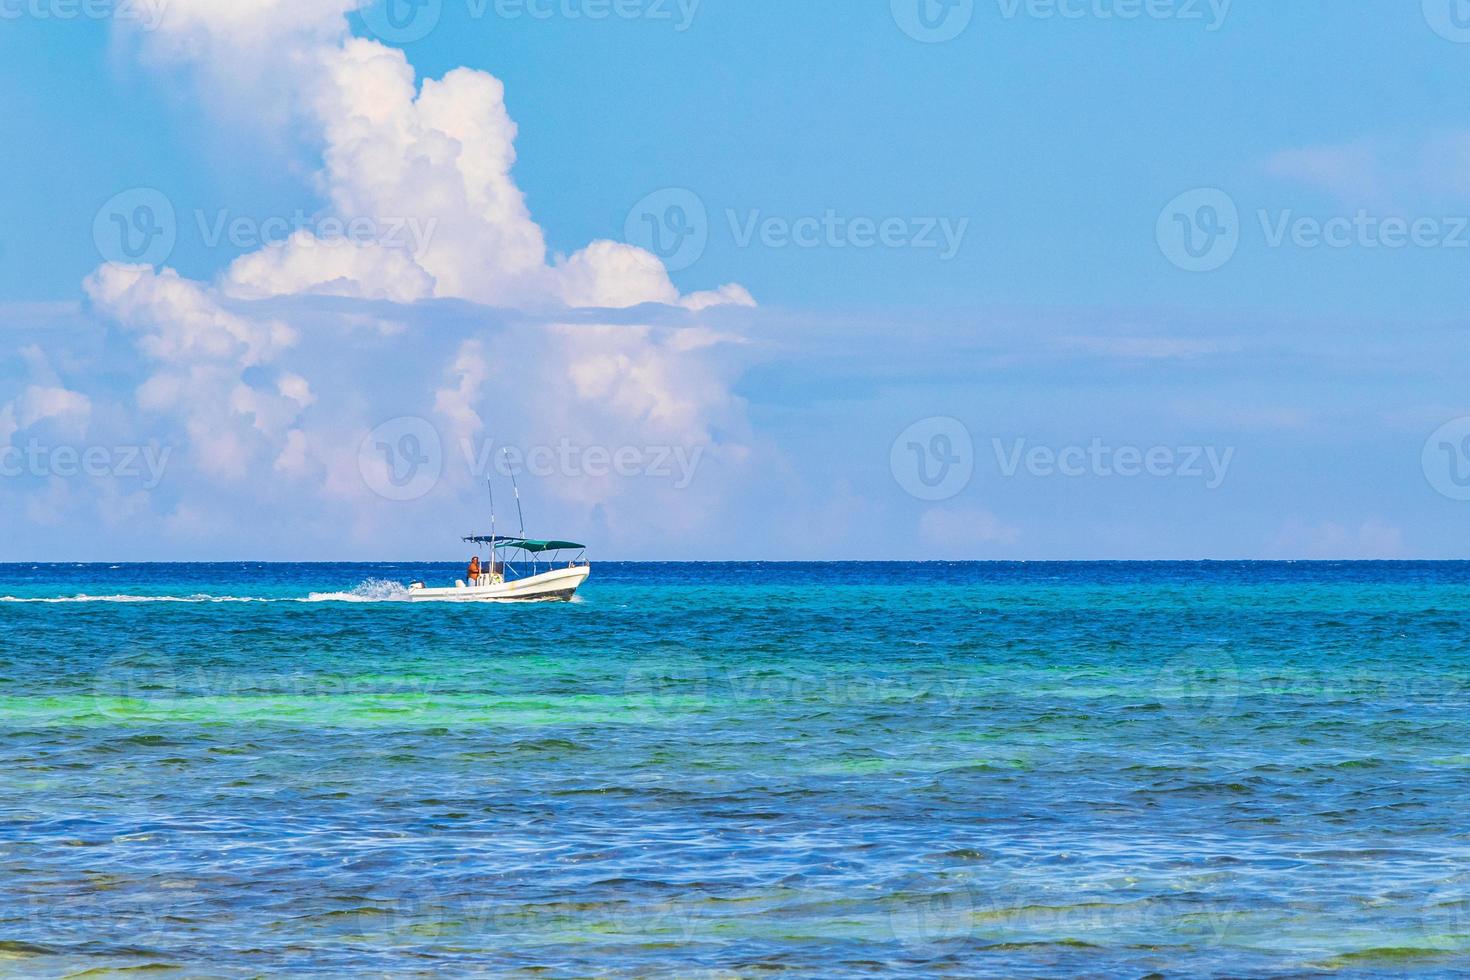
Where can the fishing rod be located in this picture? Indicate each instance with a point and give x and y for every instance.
(514, 486)
(490, 485)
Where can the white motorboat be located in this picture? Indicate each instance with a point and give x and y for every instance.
(519, 570)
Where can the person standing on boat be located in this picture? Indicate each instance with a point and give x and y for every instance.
(474, 573)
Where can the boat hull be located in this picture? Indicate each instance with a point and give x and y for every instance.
(559, 584)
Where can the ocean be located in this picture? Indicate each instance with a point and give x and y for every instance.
(736, 770)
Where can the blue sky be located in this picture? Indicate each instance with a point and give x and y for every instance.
(1058, 158)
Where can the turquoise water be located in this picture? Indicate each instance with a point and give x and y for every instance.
(738, 770)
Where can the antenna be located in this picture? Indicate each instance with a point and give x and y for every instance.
(514, 486)
(490, 485)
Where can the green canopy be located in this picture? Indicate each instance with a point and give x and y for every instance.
(526, 544)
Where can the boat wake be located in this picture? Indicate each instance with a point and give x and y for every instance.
(373, 590)
(133, 598)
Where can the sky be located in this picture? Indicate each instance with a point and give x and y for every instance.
(840, 279)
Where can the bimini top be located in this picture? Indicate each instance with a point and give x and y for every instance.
(526, 544)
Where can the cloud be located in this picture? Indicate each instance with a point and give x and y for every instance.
(662, 393)
(295, 458)
(179, 321)
(426, 166)
(421, 172)
(202, 353)
(296, 388)
(37, 404)
(1383, 172)
(611, 274)
(440, 155)
(1218, 414)
(1352, 172)
(306, 265)
(731, 294)
(1372, 539)
(1148, 348)
(240, 32)
(456, 403)
(50, 506)
(444, 152)
(44, 399)
(964, 532)
(251, 59)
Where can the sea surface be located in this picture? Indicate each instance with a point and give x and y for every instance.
(738, 770)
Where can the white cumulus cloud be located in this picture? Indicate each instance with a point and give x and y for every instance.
(421, 171)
